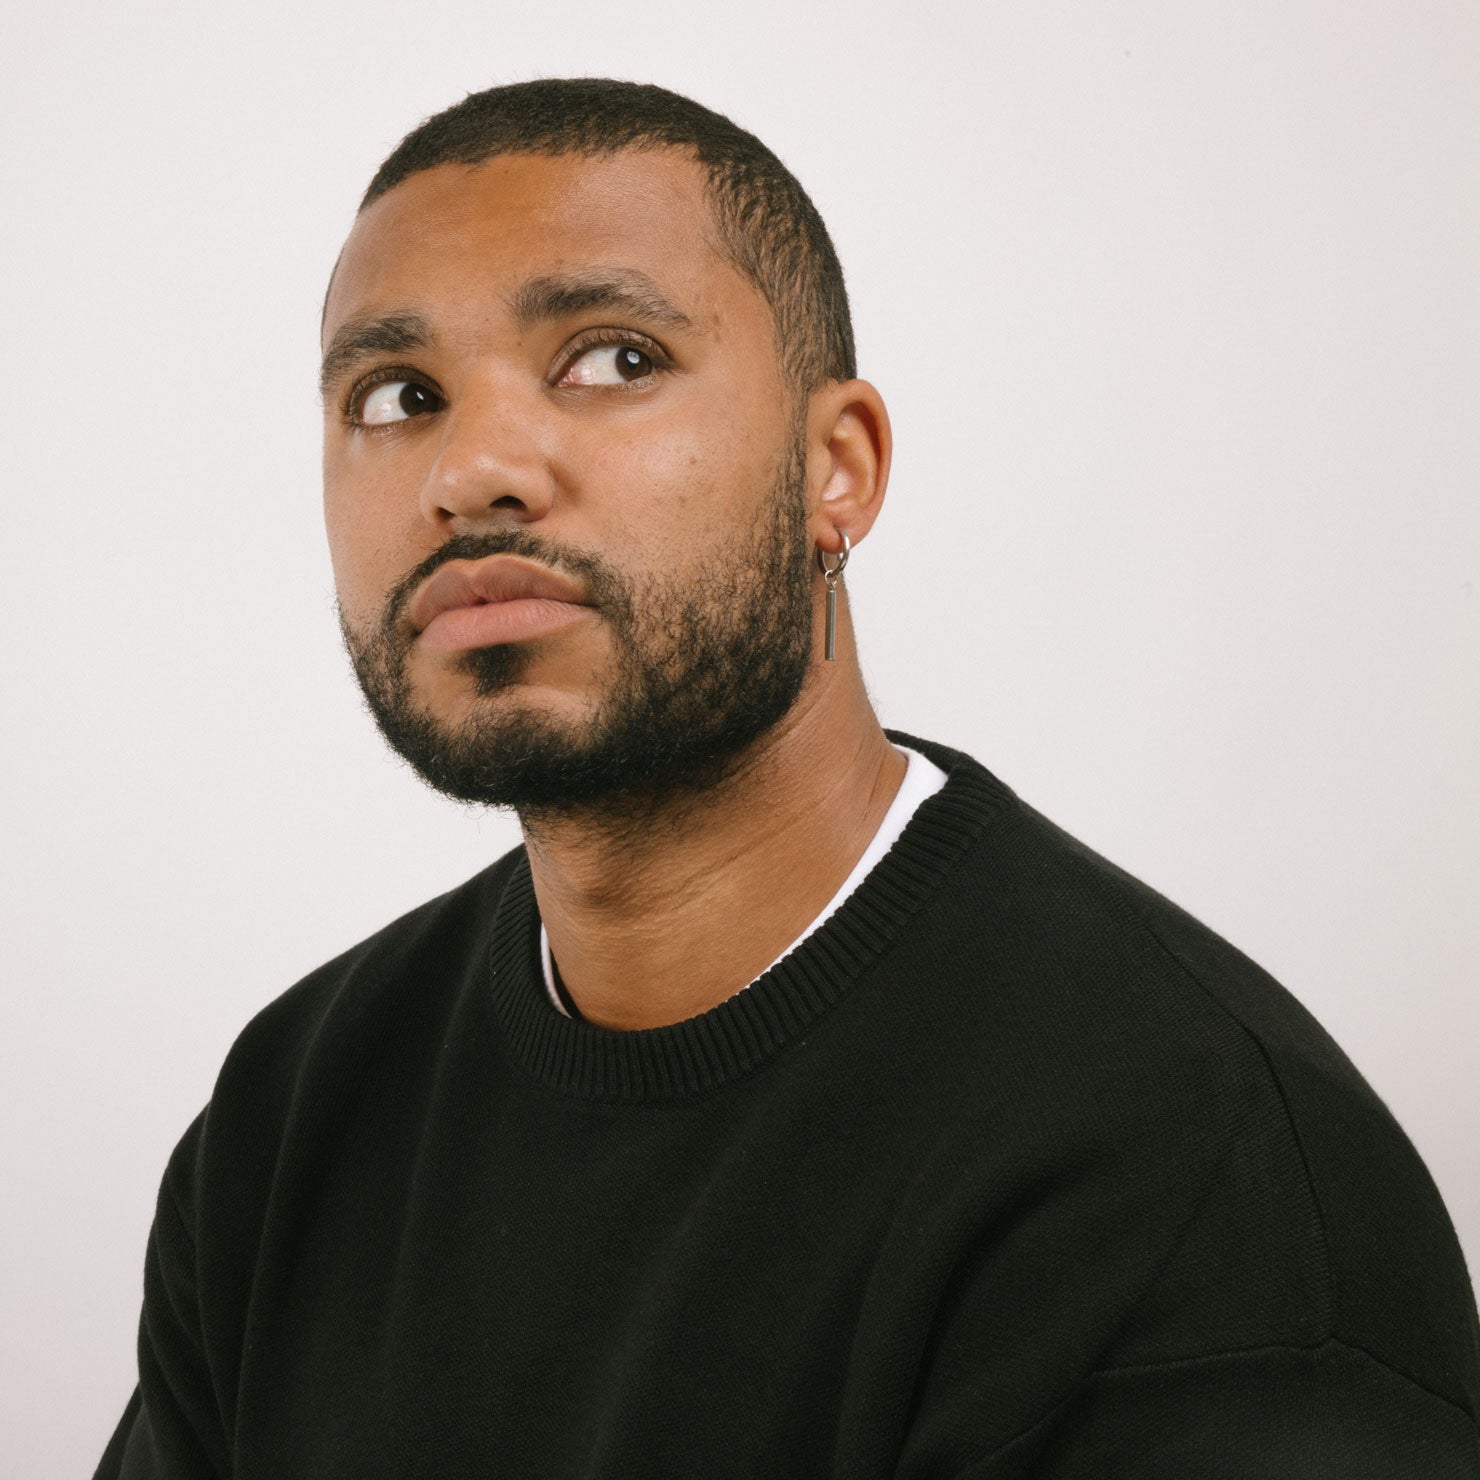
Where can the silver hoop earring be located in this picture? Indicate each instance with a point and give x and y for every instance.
(832, 574)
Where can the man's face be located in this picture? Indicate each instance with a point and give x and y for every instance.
(545, 361)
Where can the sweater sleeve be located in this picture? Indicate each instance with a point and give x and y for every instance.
(1328, 1412)
(171, 1427)
(1227, 1322)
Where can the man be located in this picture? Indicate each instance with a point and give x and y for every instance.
(797, 1101)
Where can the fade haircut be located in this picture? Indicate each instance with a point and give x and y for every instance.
(765, 223)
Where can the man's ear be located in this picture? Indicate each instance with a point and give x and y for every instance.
(849, 445)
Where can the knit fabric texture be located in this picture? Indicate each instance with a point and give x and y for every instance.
(1011, 1169)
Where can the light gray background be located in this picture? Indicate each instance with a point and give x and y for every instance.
(1175, 306)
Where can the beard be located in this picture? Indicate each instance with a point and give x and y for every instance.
(701, 668)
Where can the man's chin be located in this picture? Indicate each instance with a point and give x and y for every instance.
(459, 700)
(509, 752)
(536, 674)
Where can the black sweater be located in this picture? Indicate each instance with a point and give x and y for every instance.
(1010, 1169)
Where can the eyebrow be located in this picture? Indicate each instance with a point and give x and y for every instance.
(622, 290)
(385, 334)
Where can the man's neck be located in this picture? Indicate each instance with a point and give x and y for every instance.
(663, 921)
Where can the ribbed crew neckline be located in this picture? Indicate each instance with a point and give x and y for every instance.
(692, 1057)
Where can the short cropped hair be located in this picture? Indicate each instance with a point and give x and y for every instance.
(766, 224)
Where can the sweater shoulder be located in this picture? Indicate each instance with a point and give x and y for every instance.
(1325, 1152)
(357, 1042)
(397, 986)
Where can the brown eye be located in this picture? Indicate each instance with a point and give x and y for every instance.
(397, 400)
(608, 364)
(632, 364)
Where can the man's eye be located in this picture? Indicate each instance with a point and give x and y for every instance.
(395, 400)
(608, 364)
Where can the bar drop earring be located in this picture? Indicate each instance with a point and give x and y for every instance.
(832, 575)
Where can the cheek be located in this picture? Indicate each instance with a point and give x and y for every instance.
(668, 497)
(346, 541)
(360, 554)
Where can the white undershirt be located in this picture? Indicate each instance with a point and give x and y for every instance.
(922, 779)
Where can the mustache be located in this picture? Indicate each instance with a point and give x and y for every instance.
(600, 579)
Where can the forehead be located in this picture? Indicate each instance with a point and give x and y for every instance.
(450, 236)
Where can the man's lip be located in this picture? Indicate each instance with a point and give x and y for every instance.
(493, 622)
(497, 578)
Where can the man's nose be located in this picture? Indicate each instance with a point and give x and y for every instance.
(489, 462)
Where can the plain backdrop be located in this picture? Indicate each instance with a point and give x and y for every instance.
(1176, 308)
